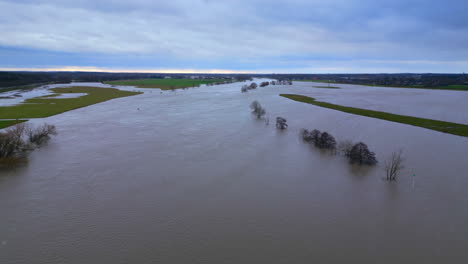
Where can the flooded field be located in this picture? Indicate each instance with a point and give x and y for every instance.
(191, 177)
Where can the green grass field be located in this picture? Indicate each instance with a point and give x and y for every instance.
(165, 84)
(441, 126)
(318, 81)
(448, 87)
(48, 106)
(7, 123)
(457, 87)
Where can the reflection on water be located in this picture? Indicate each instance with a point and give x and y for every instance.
(192, 177)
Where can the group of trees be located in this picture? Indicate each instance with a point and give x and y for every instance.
(17, 140)
(356, 153)
(246, 87)
(321, 140)
(260, 112)
(253, 86)
(257, 109)
(281, 123)
(281, 82)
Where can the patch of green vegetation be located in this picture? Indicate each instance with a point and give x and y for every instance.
(166, 84)
(7, 123)
(328, 87)
(441, 126)
(44, 107)
(318, 81)
(23, 87)
(454, 87)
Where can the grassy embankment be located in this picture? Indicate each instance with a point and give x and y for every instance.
(327, 87)
(454, 87)
(441, 126)
(47, 105)
(7, 123)
(165, 84)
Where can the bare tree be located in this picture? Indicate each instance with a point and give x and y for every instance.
(244, 88)
(345, 147)
(281, 123)
(257, 109)
(40, 134)
(394, 165)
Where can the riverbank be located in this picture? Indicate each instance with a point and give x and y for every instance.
(166, 84)
(8, 123)
(441, 126)
(455, 87)
(47, 105)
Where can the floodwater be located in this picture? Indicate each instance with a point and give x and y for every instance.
(192, 177)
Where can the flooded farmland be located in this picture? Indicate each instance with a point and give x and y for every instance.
(191, 176)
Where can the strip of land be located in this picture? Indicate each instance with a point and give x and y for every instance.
(48, 106)
(327, 87)
(7, 123)
(441, 126)
(166, 84)
(454, 87)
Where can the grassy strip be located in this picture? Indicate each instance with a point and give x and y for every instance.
(318, 81)
(44, 107)
(22, 87)
(165, 84)
(454, 87)
(328, 87)
(441, 126)
(7, 123)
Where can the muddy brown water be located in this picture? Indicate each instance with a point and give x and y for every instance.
(192, 177)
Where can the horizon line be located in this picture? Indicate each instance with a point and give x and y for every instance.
(184, 71)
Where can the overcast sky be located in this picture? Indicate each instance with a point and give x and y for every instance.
(294, 36)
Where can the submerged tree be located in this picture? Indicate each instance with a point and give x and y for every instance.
(361, 154)
(311, 136)
(41, 134)
(325, 141)
(394, 165)
(244, 88)
(281, 123)
(252, 86)
(10, 142)
(321, 140)
(345, 147)
(257, 109)
(18, 139)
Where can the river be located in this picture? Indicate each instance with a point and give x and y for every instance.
(192, 177)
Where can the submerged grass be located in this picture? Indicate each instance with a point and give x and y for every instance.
(165, 84)
(327, 87)
(44, 107)
(441, 126)
(453, 87)
(7, 123)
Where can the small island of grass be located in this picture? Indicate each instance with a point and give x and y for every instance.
(47, 105)
(441, 126)
(166, 84)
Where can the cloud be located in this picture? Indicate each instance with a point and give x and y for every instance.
(252, 34)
